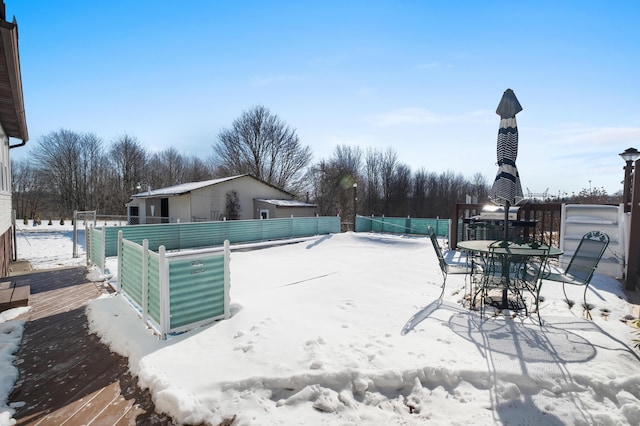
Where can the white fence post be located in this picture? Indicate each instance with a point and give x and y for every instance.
(227, 279)
(104, 248)
(87, 243)
(145, 280)
(165, 311)
(118, 287)
(75, 234)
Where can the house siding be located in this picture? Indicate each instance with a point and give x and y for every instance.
(5, 183)
(5, 206)
(179, 208)
(204, 201)
(295, 211)
(5, 212)
(283, 211)
(7, 250)
(209, 203)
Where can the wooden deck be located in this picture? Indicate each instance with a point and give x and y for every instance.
(66, 375)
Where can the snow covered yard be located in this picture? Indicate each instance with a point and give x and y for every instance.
(347, 329)
(50, 246)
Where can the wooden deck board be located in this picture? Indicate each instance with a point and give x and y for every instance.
(66, 375)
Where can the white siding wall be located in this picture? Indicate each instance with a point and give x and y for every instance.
(5, 183)
(179, 208)
(203, 201)
(5, 212)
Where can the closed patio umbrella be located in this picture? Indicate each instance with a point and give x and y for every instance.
(507, 189)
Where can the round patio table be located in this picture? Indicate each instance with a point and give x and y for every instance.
(519, 250)
(486, 246)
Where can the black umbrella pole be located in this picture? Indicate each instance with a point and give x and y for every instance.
(506, 239)
(506, 222)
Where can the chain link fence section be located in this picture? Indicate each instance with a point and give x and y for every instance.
(90, 219)
(86, 216)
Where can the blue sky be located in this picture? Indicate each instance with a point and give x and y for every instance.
(423, 77)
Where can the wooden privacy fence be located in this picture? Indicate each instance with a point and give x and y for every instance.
(547, 216)
(174, 292)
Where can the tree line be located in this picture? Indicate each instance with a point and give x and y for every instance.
(67, 171)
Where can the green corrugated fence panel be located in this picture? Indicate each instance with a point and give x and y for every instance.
(196, 289)
(390, 224)
(242, 231)
(131, 276)
(305, 228)
(276, 228)
(190, 235)
(167, 234)
(328, 225)
(308, 226)
(111, 244)
(203, 234)
(96, 247)
(364, 224)
(419, 226)
(92, 241)
(153, 287)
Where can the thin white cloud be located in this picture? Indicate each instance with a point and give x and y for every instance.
(421, 116)
(585, 139)
(607, 134)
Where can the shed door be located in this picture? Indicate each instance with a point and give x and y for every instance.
(164, 210)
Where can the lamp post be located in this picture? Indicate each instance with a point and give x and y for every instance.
(355, 202)
(629, 156)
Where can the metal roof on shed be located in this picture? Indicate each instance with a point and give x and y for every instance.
(286, 203)
(184, 188)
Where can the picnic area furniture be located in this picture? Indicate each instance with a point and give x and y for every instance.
(515, 268)
(445, 267)
(582, 265)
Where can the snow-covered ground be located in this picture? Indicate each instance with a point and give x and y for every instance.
(347, 329)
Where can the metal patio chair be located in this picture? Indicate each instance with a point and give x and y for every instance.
(447, 268)
(582, 265)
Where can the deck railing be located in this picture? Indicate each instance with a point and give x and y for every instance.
(548, 217)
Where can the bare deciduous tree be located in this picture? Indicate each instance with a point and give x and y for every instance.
(129, 162)
(28, 188)
(166, 168)
(261, 144)
(197, 169)
(334, 179)
(71, 163)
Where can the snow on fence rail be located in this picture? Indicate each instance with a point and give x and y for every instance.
(174, 292)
